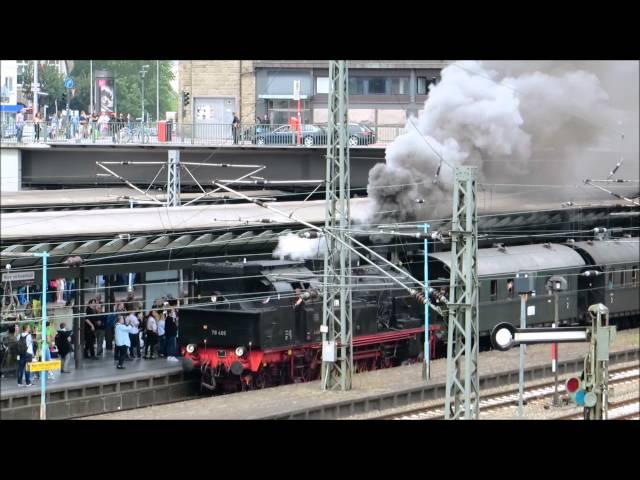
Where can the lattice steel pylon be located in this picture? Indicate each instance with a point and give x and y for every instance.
(337, 342)
(462, 389)
(173, 179)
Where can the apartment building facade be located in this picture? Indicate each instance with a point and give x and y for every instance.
(380, 92)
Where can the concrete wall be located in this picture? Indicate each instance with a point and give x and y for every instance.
(75, 166)
(219, 78)
(11, 169)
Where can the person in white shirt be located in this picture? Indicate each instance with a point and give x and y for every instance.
(134, 335)
(162, 346)
(152, 335)
(26, 356)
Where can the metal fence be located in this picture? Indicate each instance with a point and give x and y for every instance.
(186, 133)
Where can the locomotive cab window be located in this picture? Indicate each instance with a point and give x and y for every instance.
(494, 290)
(510, 288)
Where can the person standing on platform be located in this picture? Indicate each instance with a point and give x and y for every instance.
(110, 320)
(37, 122)
(151, 338)
(25, 355)
(90, 330)
(162, 346)
(64, 347)
(122, 341)
(134, 335)
(171, 333)
(19, 125)
(235, 126)
(100, 324)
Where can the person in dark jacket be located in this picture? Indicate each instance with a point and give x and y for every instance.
(90, 330)
(63, 344)
(171, 333)
(235, 126)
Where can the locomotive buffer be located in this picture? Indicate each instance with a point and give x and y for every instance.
(590, 389)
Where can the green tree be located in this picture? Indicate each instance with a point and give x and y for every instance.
(51, 82)
(128, 86)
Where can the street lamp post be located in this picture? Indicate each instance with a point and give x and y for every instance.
(555, 285)
(143, 72)
(157, 90)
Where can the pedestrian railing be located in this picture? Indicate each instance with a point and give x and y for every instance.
(123, 132)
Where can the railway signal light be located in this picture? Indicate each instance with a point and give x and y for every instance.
(575, 389)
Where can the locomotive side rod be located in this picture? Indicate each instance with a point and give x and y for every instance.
(412, 291)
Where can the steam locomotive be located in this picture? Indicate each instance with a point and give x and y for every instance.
(257, 324)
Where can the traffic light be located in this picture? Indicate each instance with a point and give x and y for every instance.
(575, 389)
(64, 98)
(185, 99)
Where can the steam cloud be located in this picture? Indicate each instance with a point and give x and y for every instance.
(297, 248)
(495, 116)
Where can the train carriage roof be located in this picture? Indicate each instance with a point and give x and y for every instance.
(610, 252)
(496, 261)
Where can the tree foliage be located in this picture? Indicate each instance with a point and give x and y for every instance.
(128, 86)
(51, 82)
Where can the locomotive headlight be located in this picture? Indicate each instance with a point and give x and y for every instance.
(240, 351)
(191, 348)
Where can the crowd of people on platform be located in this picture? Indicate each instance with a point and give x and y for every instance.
(127, 331)
(69, 125)
(128, 327)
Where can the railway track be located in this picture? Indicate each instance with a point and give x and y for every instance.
(623, 410)
(537, 393)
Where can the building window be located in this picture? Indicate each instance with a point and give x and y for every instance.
(322, 85)
(377, 86)
(356, 86)
(423, 84)
(399, 86)
(22, 66)
(494, 290)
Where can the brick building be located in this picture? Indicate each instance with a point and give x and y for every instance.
(380, 92)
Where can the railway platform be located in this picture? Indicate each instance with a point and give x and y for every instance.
(379, 389)
(97, 388)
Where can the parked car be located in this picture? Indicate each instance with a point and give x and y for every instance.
(359, 135)
(309, 135)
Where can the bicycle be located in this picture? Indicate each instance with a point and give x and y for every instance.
(128, 135)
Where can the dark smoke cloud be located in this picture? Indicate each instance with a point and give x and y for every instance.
(513, 120)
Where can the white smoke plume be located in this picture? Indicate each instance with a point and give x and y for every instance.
(293, 247)
(495, 116)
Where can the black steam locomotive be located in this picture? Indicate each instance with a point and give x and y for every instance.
(260, 322)
(257, 323)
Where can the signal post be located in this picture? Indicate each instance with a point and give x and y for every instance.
(590, 388)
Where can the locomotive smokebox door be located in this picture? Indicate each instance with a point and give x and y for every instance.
(524, 283)
(328, 351)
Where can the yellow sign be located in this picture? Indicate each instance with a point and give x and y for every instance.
(40, 366)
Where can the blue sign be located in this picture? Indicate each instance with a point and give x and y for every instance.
(68, 83)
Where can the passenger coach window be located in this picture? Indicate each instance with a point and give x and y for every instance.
(622, 277)
(510, 288)
(634, 276)
(494, 289)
